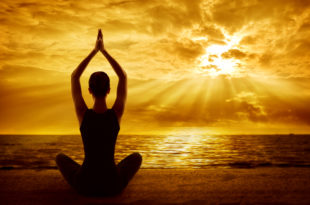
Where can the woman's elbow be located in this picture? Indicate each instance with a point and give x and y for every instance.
(123, 75)
(74, 75)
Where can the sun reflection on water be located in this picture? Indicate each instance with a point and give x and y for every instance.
(166, 151)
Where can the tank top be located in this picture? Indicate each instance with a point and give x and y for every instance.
(99, 132)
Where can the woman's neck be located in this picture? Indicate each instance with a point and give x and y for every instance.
(100, 105)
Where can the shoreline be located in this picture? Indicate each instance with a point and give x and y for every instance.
(235, 165)
(263, 185)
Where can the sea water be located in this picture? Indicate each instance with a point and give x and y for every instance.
(164, 151)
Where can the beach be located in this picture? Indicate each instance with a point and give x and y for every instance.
(270, 185)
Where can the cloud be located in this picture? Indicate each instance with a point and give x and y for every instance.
(246, 105)
(162, 45)
(210, 31)
(234, 15)
(246, 40)
(265, 59)
(234, 53)
(186, 49)
(63, 32)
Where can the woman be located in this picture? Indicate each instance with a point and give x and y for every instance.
(99, 126)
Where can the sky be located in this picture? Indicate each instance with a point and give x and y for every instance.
(193, 66)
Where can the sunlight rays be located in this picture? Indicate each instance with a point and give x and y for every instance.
(176, 97)
(199, 100)
(213, 61)
(204, 101)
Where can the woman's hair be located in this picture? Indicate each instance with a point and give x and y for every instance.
(99, 83)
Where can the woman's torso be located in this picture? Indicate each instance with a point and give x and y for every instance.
(99, 133)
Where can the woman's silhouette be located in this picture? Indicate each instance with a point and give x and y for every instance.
(99, 126)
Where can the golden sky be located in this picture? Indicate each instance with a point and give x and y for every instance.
(222, 66)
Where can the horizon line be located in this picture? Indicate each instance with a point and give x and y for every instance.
(27, 134)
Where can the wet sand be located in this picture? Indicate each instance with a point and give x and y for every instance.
(167, 186)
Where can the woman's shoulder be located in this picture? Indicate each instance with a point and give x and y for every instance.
(86, 113)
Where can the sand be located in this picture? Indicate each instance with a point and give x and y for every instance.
(167, 186)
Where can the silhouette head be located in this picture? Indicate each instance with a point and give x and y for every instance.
(99, 84)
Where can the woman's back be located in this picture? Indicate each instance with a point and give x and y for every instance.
(99, 132)
(98, 171)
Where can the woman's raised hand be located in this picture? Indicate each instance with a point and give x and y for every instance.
(99, 42)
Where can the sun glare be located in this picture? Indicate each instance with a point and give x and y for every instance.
(214, 64)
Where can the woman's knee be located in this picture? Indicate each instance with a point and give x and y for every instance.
(60, 158)
(138, 157)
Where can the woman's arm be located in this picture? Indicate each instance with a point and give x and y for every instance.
(121, 95)
(76, 74)
(79, 103)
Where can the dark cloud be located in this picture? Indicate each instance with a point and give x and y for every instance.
(300, 48)
(305, 27)
(265, 59)
(243, 107)
(234, 53)
(188, 49)
(211, 66)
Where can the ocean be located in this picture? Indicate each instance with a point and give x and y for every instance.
(164, 151)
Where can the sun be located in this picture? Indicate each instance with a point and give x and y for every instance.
(213, 63)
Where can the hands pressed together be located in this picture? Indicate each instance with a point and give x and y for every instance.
(99, 42)
(99, 47)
